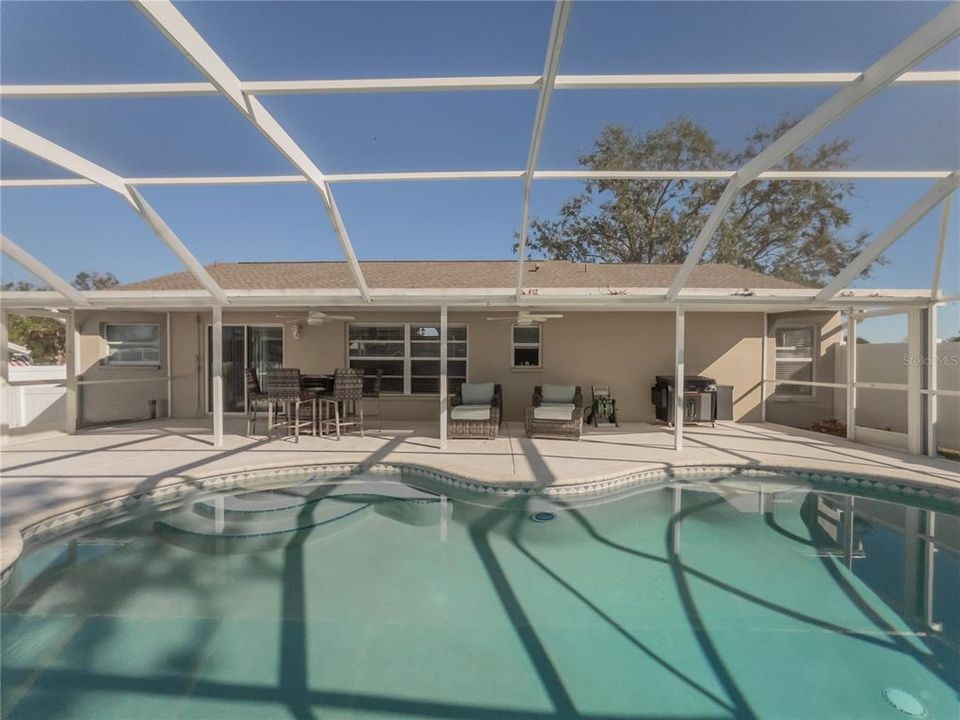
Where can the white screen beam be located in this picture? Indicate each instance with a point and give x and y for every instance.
(448, 175)
(19, 255)
(558, 30)
(191, 44)
(928, 39)
(911, 217)
(468, 83)
(53, 153)
(941, 247)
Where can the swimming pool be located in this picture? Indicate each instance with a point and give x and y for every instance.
(709, 599)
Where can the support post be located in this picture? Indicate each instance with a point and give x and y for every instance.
(217, 352)
(933, 380)
(763, 368)
(444, 390)
(914, 379)
(678, 383)
(851, 375)
(169, 370)
(72, 403)
(5, 401)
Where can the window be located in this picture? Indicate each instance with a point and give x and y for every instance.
(132, 344)
(794, 360)
(525, 352)
(409, 355)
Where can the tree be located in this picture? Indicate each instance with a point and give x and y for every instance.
(43, 336)
(95, 280)
(790, 229)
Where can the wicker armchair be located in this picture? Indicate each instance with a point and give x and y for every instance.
(568, 429)
(486, 429)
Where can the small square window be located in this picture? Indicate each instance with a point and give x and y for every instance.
(795, 360)
(132, 344)
(526, 346)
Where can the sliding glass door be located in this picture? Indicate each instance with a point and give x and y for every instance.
(256, 346)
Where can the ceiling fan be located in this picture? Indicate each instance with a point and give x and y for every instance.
(525, 317)
(313, 317)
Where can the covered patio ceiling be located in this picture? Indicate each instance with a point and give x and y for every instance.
(894, 68)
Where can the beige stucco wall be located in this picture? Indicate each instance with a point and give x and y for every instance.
(102, 403)
(622, 349)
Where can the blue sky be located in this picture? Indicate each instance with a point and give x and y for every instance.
(85, 229)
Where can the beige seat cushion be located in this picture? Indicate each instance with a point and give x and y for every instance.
(554, 411)
(470, 412)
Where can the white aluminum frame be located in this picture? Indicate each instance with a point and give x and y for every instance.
(920, 44)
(558, 31)
(191, 44)
(448, 175)
(53, 153)
(914, 214)
(441, 84)
(892, 68)
(31, 264)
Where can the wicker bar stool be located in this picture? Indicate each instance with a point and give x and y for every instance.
(347, 390)
(255, 398)
(283, 391)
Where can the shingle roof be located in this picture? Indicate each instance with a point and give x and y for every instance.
(460, 274)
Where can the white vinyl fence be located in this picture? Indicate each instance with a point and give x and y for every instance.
(882, 414)
(31, 407)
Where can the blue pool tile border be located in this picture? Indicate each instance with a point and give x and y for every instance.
(130, 505)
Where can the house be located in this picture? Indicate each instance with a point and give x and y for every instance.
(606, 332)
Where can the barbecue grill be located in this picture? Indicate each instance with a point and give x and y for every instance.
(699, 398)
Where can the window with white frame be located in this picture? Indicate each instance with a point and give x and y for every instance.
(132, 344)
(795, 355)
(526, 351)
(409, 355)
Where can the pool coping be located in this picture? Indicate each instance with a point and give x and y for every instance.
(73, 519)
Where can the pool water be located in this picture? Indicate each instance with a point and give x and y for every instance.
(709, 600)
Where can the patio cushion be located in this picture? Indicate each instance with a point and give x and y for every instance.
(470, 412)
(554, 411)
(558, 393)
(476, 393)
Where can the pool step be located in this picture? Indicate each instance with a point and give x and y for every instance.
(246, 505)
(260, 531)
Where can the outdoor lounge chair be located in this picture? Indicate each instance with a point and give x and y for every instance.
(556, 412)
(475, 412)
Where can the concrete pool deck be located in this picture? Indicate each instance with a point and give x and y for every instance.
(54, 475)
